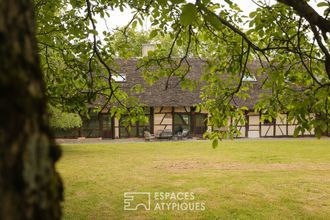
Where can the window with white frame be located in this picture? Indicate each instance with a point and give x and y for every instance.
(120, 77)
(249, 78)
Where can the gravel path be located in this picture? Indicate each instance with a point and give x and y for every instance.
(133, 140)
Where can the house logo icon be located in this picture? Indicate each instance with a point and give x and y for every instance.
(135, 200)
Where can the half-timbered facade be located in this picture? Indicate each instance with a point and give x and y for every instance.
(173, 109)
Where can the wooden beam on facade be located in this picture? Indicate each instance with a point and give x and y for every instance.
(151, 120)
(192, 120)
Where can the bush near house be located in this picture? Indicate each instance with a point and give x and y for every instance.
(64, 124)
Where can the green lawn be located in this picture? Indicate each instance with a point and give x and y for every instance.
(244, 179)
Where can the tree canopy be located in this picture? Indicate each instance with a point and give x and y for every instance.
(288, 38)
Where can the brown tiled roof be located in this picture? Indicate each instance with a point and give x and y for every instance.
(157, 95)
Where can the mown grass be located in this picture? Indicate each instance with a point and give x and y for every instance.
(244, 179)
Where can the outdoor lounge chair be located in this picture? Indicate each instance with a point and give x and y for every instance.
(184, 134)
(164, 134)
(148, 136)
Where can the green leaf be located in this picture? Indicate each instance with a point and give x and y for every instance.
(134, 24)
(215, 142)
(323, 4)
(198, 108)
(177, 1)
(244, 108)
(252, 14)
(214, 21)
(153, 33)
(188, 14)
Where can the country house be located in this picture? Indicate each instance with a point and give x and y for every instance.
(173, 110)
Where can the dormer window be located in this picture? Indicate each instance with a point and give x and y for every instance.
(120, 77)
(249, 78)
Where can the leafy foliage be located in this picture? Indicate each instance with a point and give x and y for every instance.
(63, 120)
(127, 43)
(288, 39)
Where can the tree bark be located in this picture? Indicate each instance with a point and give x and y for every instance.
(30, 187)
(306, 11)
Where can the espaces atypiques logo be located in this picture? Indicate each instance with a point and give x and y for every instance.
(158, 201)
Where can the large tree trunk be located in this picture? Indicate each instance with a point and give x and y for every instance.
(30, 188)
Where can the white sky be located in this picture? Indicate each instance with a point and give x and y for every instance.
(119, 19)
